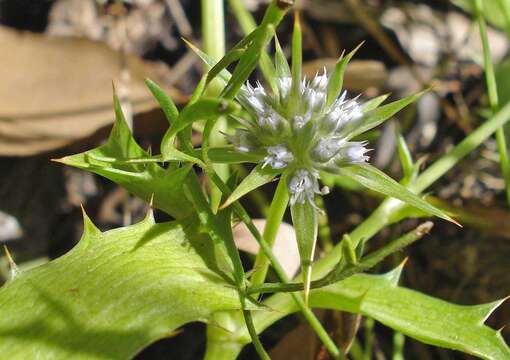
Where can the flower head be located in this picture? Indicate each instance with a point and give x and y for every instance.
(310, 138)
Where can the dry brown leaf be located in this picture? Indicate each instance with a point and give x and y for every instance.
(284, 248)
(301, 343)
(359, 75)
(57, 90)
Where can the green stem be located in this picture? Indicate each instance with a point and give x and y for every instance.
(213, 28)
(266, 248)
(274, 219)
(398, 346)
(492, 91)
(213, 35)
(348, 270)
(243, 16)
(208, 219)
(248, 319)
(449, 160)
(369, 338)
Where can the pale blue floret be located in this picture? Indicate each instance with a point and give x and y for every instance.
(328, 135)
(278, 157)
(303, 186)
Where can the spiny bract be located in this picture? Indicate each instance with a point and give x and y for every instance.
(305, 140)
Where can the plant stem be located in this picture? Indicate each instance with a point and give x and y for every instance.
(248, 319)
(398, 346)
(369, 339)
(492, 91)
(243, 16)
(208, 220)
(213, 35)
(342, 273)
(274, 219)
(298, 300)
(449, 160)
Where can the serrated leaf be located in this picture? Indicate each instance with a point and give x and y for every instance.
(144, 180)
(305, 222)
(374, 179)
(427, 319)
(336, 80)
(113, 294)
(258, 176)
(379, 115)
(419, 316)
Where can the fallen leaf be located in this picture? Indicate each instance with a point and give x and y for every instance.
(57, 90)
(359, 75)
(284, 247)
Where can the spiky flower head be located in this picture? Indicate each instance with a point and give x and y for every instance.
(303, 141)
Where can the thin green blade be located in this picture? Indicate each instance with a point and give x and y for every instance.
(305, 221)
(374, 179)
(258, 176)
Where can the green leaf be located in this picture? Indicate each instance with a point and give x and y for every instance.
(203, 109)
(374, 179)
(373, 103)
(305, 222)
(250, 58)
(406, 160)
(336, 80)
(166, 103)
(497, 12)
(258, 176)
(419, 316)
(379, 115)
(218, 226)
(281, 64)
(224, 75)
(145, 180)
(230, 57)
(427, 319)
(229, 155)
(172, 114)
(114, 293)
(296, 65)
